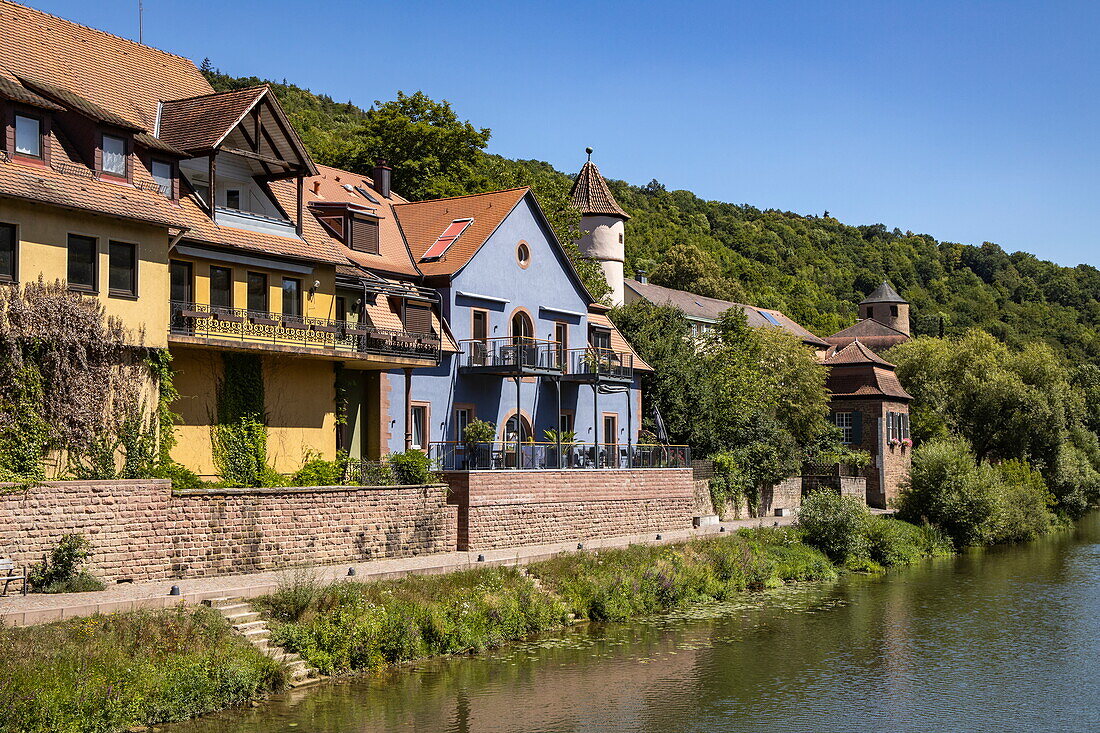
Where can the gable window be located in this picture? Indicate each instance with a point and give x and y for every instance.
(121, 269)
(599, 338)
(363, 235)
(523, 254)
(257, 292)
(164, 176)
(292, 297)
(233, 199)
(221, 288)
(82, 263)
(28, 136)
(114, 156)
(9, 250)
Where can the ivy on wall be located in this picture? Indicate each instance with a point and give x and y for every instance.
(238, 432)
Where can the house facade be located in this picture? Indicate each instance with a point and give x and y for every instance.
(535, 354)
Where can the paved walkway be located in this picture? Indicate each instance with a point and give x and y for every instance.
(43, 608)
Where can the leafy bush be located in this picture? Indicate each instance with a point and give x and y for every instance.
(892, 542)
(975, 503)
(293, 596)
(834, 524)
(59, 572)
(316, 471)
(182, 478)
(413, 467)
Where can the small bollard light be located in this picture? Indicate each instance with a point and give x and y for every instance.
(658, 536)
(481, 558)
(175, 591)
(776, 524)
(580, 545)
(351, 572)
(721, 529)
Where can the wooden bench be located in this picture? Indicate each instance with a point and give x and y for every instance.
(9, 573)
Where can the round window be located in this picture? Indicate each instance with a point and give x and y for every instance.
(523, 255)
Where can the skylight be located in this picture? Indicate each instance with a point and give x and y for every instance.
(363, 192)
(447, 238)
(770, 318)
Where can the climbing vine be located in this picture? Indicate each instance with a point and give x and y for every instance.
(238, 433)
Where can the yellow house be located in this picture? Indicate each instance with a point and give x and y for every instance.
(201, 221)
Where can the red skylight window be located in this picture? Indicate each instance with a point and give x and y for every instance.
(447, 238)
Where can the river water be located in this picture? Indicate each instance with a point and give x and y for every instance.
(1001, 640)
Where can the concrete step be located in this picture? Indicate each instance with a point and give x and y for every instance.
(242, 617)
(220, 603)
(250, 626)
(254, 635)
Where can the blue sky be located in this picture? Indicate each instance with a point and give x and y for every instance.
(968, 121)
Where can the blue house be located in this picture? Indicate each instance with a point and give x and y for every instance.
(529, 350)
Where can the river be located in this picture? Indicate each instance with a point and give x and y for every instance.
(1000, 640)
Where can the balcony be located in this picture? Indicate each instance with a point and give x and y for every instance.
(451, 456)
(511, 357)
(238, 327)
(596, 365)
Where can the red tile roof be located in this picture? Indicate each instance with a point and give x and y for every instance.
(591, 195)
(199, 123)
(423, 221)
(874, 334)
(856, 353)
(855, 371)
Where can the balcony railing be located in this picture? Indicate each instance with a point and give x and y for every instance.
(595, 364)
(509, 355)
(452, 456)
(227, 325)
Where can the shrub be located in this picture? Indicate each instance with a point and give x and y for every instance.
(182, 478)
(294, 595)
(316, 471)
(975, 503)
(412, 467)
(240, 452)
(892, 543)
(834, 524)
(59, 572)
(948, 488)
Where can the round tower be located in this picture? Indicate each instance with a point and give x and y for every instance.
(602, 225)
(887, 307)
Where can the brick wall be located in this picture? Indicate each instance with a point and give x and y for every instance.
(142, 530)
(514, 508)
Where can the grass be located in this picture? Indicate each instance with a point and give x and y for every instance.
(110, 673)
(353, 626)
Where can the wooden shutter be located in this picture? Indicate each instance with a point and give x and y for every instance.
(364, 235)
(857, 427)
(418, 318)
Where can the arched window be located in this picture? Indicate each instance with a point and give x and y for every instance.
(522, 328)
(524, 429)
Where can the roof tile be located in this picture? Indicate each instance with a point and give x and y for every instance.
(591, 195)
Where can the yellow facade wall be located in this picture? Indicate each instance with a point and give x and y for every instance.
(43, 233)
(300, 398)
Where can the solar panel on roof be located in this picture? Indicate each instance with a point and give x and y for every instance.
(447, 238)
(363, 192)
(770, 318)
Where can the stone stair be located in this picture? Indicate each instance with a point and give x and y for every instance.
(248, 624)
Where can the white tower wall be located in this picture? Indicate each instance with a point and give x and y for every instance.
(602, 240)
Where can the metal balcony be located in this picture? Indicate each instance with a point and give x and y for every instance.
(511, 357)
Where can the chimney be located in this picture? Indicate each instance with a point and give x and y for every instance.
(317, 187)
(381, 175)
(642, 276)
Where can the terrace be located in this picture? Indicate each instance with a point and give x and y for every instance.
(528, 357)
(511, 455)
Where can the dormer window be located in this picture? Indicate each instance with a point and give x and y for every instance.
(28, 136)
(233, 199)
(363, 235)
(164, 175)
(114, 156)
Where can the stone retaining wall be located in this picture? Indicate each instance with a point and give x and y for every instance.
(514, 508)
(145, 531)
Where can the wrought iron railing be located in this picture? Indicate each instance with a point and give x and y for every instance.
(512, 354)
(502, 455)
(221, 324)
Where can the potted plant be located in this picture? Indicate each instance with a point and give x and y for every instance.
(475, 436)
(567, 439)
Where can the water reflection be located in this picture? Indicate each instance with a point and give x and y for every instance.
(1000, 640)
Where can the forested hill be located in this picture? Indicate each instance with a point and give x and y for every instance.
(814, 268)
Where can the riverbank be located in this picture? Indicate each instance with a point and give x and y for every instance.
(141, 679)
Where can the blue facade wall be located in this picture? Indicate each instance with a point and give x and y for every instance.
(547, 291)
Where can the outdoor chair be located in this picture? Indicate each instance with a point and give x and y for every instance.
(10, 574)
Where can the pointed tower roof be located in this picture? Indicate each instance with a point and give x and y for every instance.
(884, 293)
(856, 353)
(591, 195)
